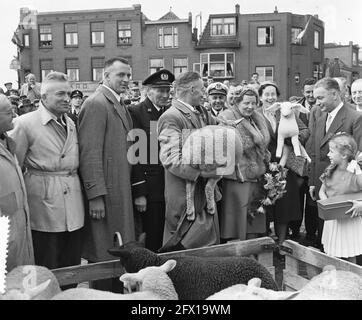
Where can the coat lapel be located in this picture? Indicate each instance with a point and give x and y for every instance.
(71, 131)
(120, 109)
(335, 126)
(187, 113)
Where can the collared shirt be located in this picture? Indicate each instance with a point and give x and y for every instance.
(118, 96)
(51, 159)
(157, 108)
(75, 110)
(187, 105)
(335, 111)
(358, 108)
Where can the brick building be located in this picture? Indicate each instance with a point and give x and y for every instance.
(342, 61)
(234, 46)
(231, 46)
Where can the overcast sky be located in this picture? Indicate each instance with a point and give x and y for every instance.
(343, 21)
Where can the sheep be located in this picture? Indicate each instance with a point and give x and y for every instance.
(196, 278)
(153, 283)
(331, 284)
(30, 282)
(205, 149)
(288, 128)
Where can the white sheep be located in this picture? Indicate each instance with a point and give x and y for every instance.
(30, 282)
(153, 283)
(288, 128)
(209, 148)
(331, 284)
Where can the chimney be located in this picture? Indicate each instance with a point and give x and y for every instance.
(351, 43)
(190, 18)
(316, 16)
(137, 7)
(237, 8)
(276, 10)
(194, 34)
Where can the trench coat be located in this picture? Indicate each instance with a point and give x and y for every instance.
(173, 128)
(13, 203)
(104, 124)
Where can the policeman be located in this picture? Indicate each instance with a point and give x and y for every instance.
(216, 94)
(76, 101)
(148, 179)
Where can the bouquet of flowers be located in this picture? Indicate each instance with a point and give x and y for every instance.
(274, 183)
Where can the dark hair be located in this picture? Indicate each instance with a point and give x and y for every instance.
(245, 91)
(309, 82)
(328, 84)
(255, 73)
(267, 84)
(110, 62)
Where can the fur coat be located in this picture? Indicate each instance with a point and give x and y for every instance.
(255, 136)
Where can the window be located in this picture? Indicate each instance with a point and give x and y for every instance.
(265, 36)
(45, 35)
(197, 67)
(46, 66)
(265, 73)
(295, 34)
(71, 34)
(26, 40)
(180, 65)
(97, 69)
(124, 32)
(97, 30)
(223, 26)
(217, 65)
(168, 37)
(316, 39)
(156, 65)
(317, 71)
(355, 58)
(72, 69)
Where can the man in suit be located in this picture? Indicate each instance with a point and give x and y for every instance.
(148, 176)
(330, 116)
(174, 126)
(104, 123)
(76, 101)
(356, 90)
(216, 95)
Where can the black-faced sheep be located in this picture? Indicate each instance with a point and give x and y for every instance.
(196, 278)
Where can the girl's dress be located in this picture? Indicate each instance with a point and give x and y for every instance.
(343, 237)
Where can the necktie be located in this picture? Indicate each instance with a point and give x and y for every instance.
(329, 122)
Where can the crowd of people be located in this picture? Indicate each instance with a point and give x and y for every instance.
(72, 182)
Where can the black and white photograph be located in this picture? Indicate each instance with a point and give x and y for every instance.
(181, 151)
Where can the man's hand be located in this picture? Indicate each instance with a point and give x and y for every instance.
(141, 203)
(356, 209)
(96, 208)
(312, 193)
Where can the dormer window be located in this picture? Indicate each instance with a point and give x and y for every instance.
(223, 26)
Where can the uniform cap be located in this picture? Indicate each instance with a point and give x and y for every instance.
(76, 93)
(162, 78)
(217, 88)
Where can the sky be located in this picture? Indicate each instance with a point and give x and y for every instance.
(343, 21)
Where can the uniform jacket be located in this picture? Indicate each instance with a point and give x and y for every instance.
(347, 120)
(50, 156)
(148, 178)
(105, 171)
(13, 203)
(174, 126)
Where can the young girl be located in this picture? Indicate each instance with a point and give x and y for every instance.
(342, 238)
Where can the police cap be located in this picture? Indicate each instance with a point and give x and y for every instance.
(76, 93)
(162, 78)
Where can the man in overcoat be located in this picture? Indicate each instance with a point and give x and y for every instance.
(330, 116)
(174, 126)
(104, 123)
(148, 175)
(13, 198)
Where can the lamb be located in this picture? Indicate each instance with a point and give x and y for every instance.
(196, 278)
(152, 283)
(205, 149)
(288, 128)
(329, 285)
(30, 283)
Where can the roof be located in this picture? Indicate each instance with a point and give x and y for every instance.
(169, 16)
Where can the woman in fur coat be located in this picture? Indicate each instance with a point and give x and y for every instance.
(239, 217)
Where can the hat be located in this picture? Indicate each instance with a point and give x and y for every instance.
(25, 103)
(217, 88)
(14, 91)
(6, 83)
(267, 84)
(162, 78)
(76, 93)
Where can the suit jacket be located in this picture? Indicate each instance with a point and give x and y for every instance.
(103, 127)
(148, 178)
(347, 120)
(174, 126)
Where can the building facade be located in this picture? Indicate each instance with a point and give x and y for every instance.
(231, 46)
(342, 61)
